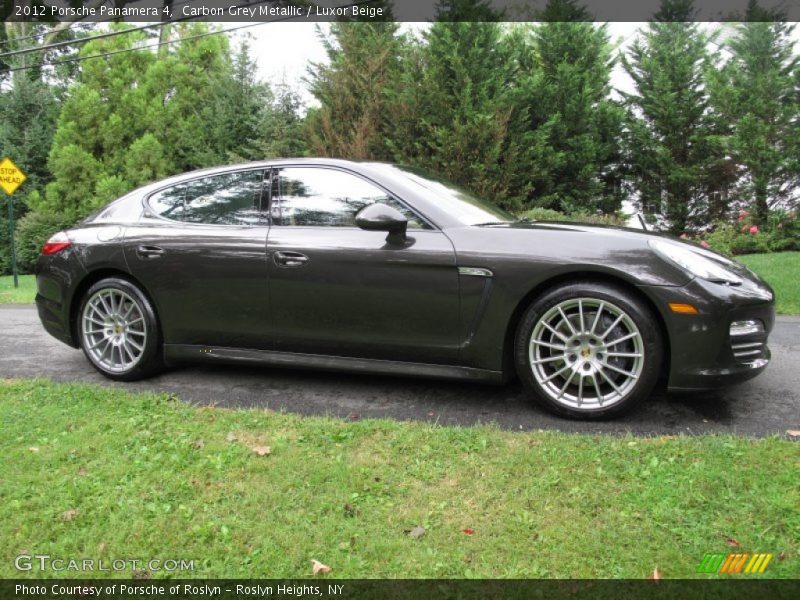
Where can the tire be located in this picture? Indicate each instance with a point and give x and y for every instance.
(118, 330)
(588, 350)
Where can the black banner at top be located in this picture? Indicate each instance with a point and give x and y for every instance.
(144, 11)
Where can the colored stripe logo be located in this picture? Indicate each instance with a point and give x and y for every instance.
(735, 563)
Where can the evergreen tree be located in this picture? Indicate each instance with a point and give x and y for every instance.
(568, 105)
(452, 106)
(352, 120)
(757, 101)
(670, 141)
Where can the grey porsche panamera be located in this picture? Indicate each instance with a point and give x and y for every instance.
(373, 267)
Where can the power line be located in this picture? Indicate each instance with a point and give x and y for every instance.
(71, 23)
(110, 34)
(147, 47)
(157, 45)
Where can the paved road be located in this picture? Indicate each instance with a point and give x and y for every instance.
(768, 404)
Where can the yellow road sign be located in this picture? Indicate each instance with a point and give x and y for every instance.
(10, 176)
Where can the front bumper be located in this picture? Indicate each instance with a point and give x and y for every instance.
(702, 353)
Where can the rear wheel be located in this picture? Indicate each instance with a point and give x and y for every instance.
(588, 350)
(118, 330)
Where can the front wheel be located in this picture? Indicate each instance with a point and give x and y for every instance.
(588, 350)
(119, 331)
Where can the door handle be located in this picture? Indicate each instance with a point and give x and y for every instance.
(289, 259)
(148, 252)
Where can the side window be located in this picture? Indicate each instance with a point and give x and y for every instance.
(168, 203)
(227, 199)
(310, 196)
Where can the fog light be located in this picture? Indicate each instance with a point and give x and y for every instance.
(746, 327)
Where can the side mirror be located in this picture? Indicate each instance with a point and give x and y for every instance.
(381, 217)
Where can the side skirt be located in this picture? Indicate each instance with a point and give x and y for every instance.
(193, 353)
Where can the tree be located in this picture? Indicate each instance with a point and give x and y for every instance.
(352, 120)
(138, 116)
(568, 105)
(670, 141)
(451, 106)
(756, 99)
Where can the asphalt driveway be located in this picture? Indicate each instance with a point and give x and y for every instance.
(766, 405)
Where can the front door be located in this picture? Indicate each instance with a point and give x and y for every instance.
(339, 290)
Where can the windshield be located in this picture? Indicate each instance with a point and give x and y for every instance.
(456, 201)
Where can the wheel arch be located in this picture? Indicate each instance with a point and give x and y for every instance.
(88, 281)
(584, 276)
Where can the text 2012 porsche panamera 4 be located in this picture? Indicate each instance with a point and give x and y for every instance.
(381, 268)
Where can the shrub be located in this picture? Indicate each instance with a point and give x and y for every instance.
(33, 230)
(781, 232)
(548, 214)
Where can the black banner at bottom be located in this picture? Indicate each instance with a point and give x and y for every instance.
(429, 589)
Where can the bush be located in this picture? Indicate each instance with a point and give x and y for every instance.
(33, 230)
(781, 233)
(548, 214)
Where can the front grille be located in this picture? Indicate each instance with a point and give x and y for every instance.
(746, 351)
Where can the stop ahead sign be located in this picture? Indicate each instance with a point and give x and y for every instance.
(10, 176)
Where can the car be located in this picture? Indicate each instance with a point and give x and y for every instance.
(383, 268)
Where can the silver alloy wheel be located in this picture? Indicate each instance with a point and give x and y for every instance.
(114, 330)
(586, 353)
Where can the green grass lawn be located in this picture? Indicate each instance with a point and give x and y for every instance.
(96, 473)
(24, 294)
(782, 271)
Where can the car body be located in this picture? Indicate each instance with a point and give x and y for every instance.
(375, 267)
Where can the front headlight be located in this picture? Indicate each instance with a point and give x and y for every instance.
(694, 262)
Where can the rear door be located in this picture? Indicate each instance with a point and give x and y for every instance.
(199, 249)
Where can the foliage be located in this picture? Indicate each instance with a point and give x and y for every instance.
(756, 101)
(671, 146)
(452, 107)
(89, 470)
(598, 218)
(353, 121)
(33, 230)
(781, 232)
(570, 114)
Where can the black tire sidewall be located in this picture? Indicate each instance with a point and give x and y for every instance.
(151, 360)
(636, 309)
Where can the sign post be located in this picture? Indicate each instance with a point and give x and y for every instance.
(10, 179)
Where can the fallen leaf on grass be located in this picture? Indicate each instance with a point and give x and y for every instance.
(732, 542)
(415, 532)
(793, 432)
(468, 531)
(198, 444)
(317, 567)
(70, 514)
(262, 450)
(231, 437)
(655, 575)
